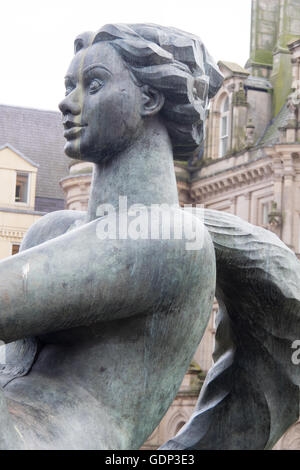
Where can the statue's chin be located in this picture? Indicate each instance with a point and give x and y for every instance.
(100, 153)
(72, 151)
(77, 154)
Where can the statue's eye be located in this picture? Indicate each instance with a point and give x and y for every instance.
(68, 90)
(95, 85)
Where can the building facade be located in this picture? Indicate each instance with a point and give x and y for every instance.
(17, 198)
(32, 162)
(251, 164)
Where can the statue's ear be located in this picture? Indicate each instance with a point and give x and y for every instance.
(152, 101)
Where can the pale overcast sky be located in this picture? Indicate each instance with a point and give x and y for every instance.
(36, 37)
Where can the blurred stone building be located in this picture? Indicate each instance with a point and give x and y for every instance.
(32, 163)
(250, 166)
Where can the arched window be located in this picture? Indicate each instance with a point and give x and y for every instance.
(224, 127)
(176, 422)
(179, 426)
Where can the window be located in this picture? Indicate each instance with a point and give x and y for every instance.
(22, 187)
(15, 249)
(224, 131)
(179, 426)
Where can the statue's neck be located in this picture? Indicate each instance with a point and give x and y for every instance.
(144, 173)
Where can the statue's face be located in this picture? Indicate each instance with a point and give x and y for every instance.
(101, 110)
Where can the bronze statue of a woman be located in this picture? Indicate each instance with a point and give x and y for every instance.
(100, 332)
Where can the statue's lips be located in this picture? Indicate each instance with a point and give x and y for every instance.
(73, 131)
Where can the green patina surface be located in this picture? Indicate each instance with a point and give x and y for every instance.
(282, 73)
(286, 38)
(274, 24)
(289, 29)
(264, 27)
(239, 97)
(263, 56)
(281, 80)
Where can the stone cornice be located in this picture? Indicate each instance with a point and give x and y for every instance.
(21, 211)
(12, 234)
(235, 178)
(74, 180)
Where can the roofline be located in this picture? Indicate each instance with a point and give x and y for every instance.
(257, 87)
(74, 175)
(28, 160)
(30, 108)
(21, 211)
(293, 44)
(234, 72)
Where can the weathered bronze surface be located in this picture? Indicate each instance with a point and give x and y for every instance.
(100, 331)
(113, 324)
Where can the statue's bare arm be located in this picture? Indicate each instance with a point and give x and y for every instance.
(78, 279)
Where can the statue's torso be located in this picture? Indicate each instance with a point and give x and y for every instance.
(102, 386)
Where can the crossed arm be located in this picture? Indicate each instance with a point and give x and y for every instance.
(77, 279)
(69, 281)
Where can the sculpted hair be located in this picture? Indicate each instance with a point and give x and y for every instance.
(174, 62)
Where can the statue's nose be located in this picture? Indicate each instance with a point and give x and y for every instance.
(69, 105)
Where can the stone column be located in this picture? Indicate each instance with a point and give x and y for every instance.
(288, 199)
(247, 197)
(278, 179)
(215, 134)
(239, 119)
(233, 205)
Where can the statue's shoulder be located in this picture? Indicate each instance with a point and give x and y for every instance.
(50, 226)
(188, 228)
(169, 237)
(176, 228)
